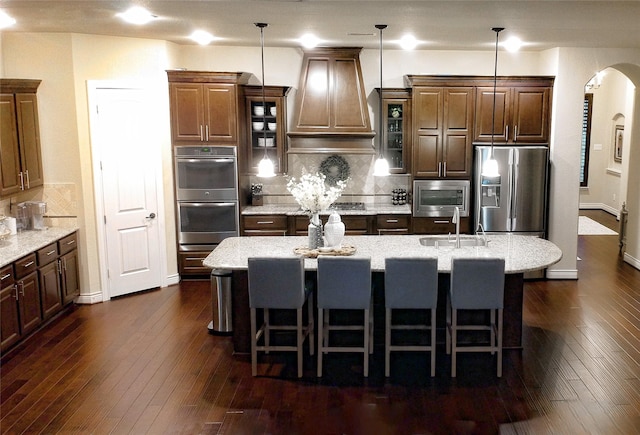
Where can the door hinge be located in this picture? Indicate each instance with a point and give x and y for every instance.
(105, 219)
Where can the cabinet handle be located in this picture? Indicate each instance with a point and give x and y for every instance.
(28, 183)
(444, 165)
(206, 132)
(506, 132)
(201, 137)
(21, 286)
(515, 133)
(8, 275)
(15, 289)
(392, 221)
(71, 242)
(53, 251)
(28, 264)
(439, 169)
(59, 263)
(265, 222)
(21, 175)
(440, 222)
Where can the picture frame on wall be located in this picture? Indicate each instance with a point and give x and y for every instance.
(617, 143)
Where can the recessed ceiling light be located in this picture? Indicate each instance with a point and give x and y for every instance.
(309, 41)
(202, 37)
(6, 20)
(512, 44)
(137, 15)
(408, 42)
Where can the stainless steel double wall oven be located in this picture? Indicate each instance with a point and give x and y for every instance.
(207, 195)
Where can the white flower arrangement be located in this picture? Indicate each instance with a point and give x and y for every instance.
(312, 192)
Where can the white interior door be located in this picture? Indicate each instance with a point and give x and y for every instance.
(129, 161)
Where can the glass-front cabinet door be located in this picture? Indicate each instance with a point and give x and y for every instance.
(396, 143)
(266, 126)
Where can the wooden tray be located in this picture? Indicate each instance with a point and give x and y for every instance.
(314, 253)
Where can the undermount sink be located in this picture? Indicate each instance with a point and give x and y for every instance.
(449, 241)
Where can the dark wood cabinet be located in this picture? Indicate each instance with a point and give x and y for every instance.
(190, 263)
(206, 107)
(396, 122)
(442, 131)
(523, 111)
(397, 224)
(9, 318)
(267, 127)
(265, 225)
(355, 225)
(439, 225)
(37, 287)
(20, 151)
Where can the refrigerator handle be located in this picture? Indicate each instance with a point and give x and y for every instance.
(516, 175)
(510, 196)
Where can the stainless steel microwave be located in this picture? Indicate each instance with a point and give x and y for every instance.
(437, 198)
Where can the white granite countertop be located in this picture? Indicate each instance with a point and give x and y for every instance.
(294, 210)
(17, 246)
(522, 253)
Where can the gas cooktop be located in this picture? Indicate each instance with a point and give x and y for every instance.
(347, 206)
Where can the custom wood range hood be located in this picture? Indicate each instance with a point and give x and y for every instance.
(331, 113)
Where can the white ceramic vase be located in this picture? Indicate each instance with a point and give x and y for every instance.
(334, 230)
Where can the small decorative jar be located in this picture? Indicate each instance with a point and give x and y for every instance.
(334, 230)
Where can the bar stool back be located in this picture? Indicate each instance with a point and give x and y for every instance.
(476, 284)
(410, 283)
(279, 283)
(344, 283)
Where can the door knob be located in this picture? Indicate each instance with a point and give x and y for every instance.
(151, 216)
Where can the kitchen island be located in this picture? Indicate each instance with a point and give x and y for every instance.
(521, 253)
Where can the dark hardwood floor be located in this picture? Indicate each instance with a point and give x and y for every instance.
(146, 364)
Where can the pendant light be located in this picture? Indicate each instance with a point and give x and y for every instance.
(381, 167)
(265, 167)
(490, 167)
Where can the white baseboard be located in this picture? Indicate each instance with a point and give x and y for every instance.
(632, 261)
(600, 206)
(92, 298)
(562, 274)
(172, 280)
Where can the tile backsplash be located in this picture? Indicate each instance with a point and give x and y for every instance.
(362, 185)
(61, 199)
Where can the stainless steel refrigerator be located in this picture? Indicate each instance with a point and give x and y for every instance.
(516, 201)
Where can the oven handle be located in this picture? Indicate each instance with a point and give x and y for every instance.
(206, 159)
(206, 204)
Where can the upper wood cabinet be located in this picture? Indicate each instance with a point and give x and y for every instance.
(523, 110)
(396, 122)
(442, 131)
(20, 153)
(206, 107)
(267, 127)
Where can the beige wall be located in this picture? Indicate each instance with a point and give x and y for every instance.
(65, 62)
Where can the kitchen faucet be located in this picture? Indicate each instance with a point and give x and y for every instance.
(456, 220)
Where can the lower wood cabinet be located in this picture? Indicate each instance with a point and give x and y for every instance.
(439, 225)
(355, 225)
(265, 225)
(393, 224)
(190, 263)
(37, 287)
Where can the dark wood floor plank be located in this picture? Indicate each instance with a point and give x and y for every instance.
(145, 363)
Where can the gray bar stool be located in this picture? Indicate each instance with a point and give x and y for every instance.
(476, 284)
(344, 283)
(410, 283)
(279, 283)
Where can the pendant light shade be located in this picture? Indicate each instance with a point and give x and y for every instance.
(490, 167)
(265, 167)
(381, 167)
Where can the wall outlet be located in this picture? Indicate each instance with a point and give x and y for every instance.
(597, 147)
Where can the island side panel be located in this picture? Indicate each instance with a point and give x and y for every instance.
(512, 312)
(240, 308)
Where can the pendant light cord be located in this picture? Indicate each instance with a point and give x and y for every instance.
(264, 100)
(495, 81)
(380, 142)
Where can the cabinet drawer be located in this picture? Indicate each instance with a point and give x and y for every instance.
(439, 225)
(265, 222)
(392, 221)
(68, 243)
(26, 265)
(7, 277)
(47, 254)
(190, 263)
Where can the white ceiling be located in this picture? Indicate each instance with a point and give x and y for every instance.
(438, 25)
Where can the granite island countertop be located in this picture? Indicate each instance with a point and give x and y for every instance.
(16, 246)
(521, 253)
(294, 210)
